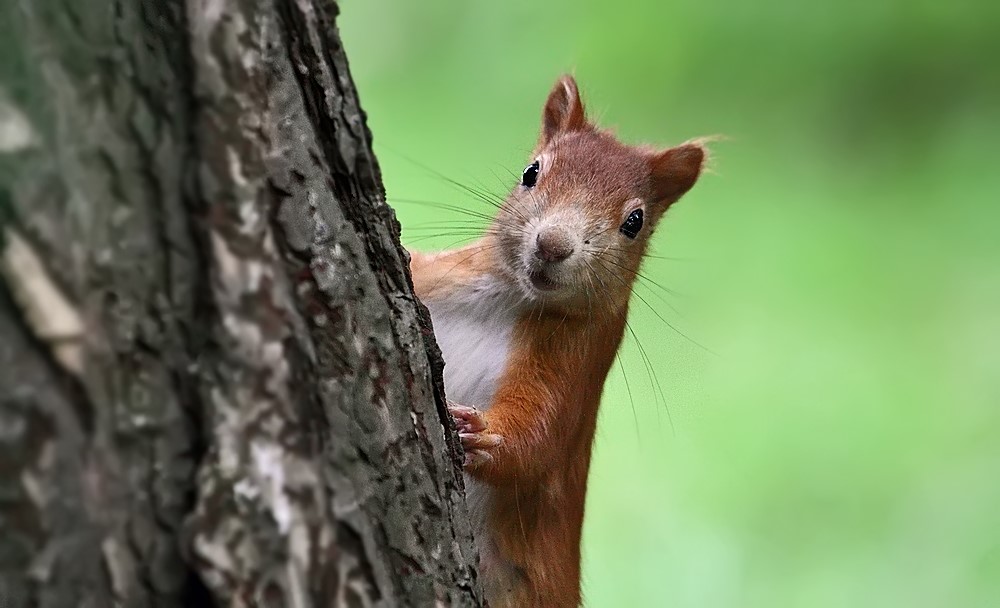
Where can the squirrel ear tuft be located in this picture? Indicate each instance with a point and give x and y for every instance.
(563, 110)
(675, 170)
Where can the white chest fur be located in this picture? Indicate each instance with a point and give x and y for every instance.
(473, 329)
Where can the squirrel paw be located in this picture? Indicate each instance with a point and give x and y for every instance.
(471, 430)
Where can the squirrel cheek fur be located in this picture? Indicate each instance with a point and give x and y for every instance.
(529, 319)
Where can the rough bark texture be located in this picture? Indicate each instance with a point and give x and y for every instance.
(216, 385)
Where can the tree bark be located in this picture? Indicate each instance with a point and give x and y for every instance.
(216, 385)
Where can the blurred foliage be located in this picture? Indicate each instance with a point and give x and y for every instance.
(843, 258)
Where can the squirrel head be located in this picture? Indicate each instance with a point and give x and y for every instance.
(581, 217)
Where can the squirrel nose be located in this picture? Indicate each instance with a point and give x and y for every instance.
(553, 245)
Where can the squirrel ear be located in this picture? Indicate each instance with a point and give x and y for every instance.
(563, 110)
(674, 171)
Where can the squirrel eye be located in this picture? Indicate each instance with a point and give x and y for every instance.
(530, 175)
(632, 224)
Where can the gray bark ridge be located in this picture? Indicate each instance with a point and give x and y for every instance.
(216, 384)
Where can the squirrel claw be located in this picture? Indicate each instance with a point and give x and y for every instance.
(467, 419)
(480, 441)
(471, 425)
(475, 458)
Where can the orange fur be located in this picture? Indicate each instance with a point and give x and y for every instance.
(561, 346)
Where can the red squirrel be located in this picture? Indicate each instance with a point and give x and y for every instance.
(529, 319)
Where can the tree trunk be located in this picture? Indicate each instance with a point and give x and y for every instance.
(216, 385)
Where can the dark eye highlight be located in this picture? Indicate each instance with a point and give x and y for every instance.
(632, 224)
(530, 175)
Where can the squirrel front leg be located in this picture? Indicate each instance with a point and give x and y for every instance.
(516, 440)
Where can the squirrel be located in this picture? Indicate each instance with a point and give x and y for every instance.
(529, 319)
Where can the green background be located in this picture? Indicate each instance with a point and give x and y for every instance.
(842, 257)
